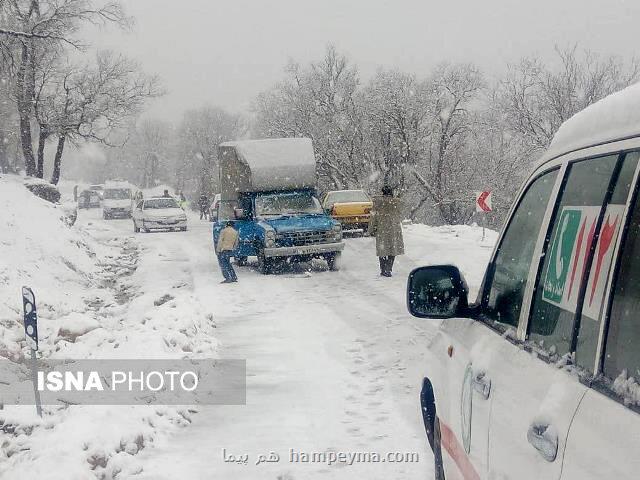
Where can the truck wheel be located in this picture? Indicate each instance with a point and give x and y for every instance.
(265, 265)
(333, 261)
(241, 261)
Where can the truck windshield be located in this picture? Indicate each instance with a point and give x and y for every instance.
(278, 204)
(117, 194)
(347, 196)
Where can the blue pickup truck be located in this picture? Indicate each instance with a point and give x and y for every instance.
(268, 190)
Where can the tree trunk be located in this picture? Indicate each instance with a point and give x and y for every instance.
(55, 177)
(42, 140)
(25, 87)
(4, 161)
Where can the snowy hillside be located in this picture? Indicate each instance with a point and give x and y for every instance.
(40, 251)
(85, 280)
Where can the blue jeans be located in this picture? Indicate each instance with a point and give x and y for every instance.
(224, 259)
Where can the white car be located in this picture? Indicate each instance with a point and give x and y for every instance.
(540, 378)
(159, 213)
(116, 202)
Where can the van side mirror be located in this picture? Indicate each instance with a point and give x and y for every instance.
(437, 292)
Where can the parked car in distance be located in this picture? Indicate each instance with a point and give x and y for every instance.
(88, 199)
(352, 208)
(158, 213)
(540, 377)
(213, 209)
(116, 201)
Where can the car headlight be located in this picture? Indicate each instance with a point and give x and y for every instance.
(182, 218)
(270, 234)
(269, 242)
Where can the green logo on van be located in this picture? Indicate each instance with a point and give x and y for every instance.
(561, 254)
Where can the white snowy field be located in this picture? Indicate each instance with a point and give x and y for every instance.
(334, 360)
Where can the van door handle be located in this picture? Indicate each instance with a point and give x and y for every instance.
(544, 438)
(482, 384)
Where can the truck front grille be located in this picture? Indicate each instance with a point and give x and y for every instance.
(299, 239)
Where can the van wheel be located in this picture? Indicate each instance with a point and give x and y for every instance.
(265, 265)
(333, 261)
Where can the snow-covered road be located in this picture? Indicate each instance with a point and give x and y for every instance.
(334, 360)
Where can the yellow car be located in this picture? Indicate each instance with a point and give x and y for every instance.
(352, 208)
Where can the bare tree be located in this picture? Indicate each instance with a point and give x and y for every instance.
(199, 135)
(442, 174)
(94, 102)
(8, 127)
(154, 137)
(396, 109)
(148, 156)
(28, 27)
(319, 101)
(537, 98)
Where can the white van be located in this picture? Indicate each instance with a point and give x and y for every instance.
(540, 378)
(116, 200)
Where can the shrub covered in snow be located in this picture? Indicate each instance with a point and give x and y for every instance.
(42, 189)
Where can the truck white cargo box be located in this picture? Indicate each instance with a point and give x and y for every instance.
(266, 165)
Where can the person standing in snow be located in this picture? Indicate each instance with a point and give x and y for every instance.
(204, 207)
(182, 201)
(385, 225)
(227, 243)
(165, 194)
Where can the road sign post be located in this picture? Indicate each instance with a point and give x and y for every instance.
(31, 335)
(484, 206)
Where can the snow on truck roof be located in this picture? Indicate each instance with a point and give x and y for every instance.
(275, 163)
(615, 117)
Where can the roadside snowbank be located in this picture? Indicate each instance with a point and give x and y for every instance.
(40, 251)
(95, 300)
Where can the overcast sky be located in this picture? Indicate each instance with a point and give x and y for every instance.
(225, 52)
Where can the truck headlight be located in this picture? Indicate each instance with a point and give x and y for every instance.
(337, 232)
(270, 239)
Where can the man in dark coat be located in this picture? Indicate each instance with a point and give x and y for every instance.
(386, 225)
(204, 207)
